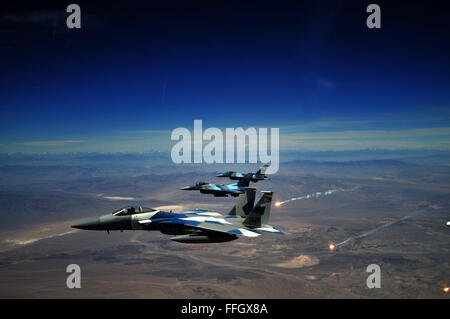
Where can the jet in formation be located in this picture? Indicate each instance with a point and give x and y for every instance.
(252, 177)
(197, 226)
(222, 190)
(235, 189)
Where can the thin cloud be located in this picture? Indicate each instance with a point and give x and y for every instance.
(326, 84)
(145, 132)
(359, 134)
(419, 138)
(51, 143)
(41, 18)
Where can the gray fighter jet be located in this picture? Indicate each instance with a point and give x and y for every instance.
(197, 226)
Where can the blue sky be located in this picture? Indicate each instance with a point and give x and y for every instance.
(134, 72)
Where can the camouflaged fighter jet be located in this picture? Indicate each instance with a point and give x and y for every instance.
(197, 226)
(234, 190)
(253, 177)
(221, 190)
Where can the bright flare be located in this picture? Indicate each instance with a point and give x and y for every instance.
(446, 289)
(278, 204)
(332, 246)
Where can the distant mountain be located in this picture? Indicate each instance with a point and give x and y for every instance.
(379, 163)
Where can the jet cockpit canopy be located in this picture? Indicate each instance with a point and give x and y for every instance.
(201, 183)
(131, 210)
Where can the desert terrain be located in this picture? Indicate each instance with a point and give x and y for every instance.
(38, 203)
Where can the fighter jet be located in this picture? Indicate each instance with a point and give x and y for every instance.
(253, 177)
(197, 226)
(234, 190)
(221, 190)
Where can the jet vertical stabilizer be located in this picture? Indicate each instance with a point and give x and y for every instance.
(261, 212)
(245, 204)
(262, 170)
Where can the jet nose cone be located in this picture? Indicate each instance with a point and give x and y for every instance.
(187, 188)
(90, 224)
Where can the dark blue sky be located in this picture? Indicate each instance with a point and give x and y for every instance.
(160, 65)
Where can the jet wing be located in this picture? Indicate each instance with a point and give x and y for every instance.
(212, 224)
